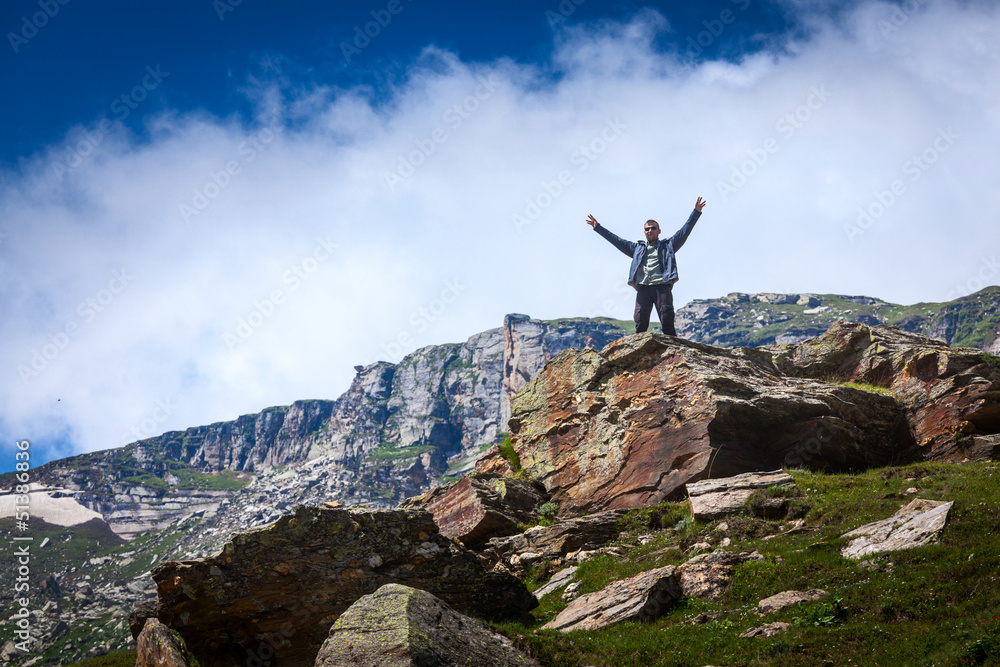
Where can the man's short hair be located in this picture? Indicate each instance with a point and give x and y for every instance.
(654, 222)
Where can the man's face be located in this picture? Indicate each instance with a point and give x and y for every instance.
(652, 231)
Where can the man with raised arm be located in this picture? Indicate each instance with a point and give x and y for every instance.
(654, 269)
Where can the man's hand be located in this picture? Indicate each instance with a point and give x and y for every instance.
(592, 221)
(700, 204)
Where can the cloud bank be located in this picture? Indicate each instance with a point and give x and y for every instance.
(216, 266)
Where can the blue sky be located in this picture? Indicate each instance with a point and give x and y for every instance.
(208, 208)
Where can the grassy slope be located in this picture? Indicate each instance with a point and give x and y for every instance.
(935, 605)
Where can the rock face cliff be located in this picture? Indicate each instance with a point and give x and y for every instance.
(394, 433)
(629, 425)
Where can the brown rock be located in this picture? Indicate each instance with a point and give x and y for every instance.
(278, 589)
(787, 599)
(159, 646)
(399, 626)
(643, 597)
(949, 395)
(630, 425)
(480, 506)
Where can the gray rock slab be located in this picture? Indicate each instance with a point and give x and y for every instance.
(399, 626)
(643, 597)
(713, 498)
(914, 525)
(558, 580)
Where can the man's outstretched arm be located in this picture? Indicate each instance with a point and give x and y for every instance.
(678, 239)
(627, 247)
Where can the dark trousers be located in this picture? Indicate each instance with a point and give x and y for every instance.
(661, 296)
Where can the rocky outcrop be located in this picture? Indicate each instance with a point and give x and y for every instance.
(558, 580)
(399, 626)
(914, 525)
(712, 498)
(279, 588)
(393, 434)
(480, 506)
(948, 395)
(529, 344)
(643, 597)
(630, 425)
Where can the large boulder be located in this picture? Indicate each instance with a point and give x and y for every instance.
(480, 506)
(399, 626)
(950, 396)
(277, 590)
(630, 425)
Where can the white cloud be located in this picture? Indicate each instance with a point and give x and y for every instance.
(621, 131)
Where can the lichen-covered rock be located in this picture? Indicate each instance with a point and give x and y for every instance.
(399, 626)
(159, 646)
(643, 597)
(480, 506)
(279, 588)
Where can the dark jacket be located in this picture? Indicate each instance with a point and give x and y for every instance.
(665, 248)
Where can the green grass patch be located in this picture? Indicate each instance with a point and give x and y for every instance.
(864, 386)
(508, 452)
(934, 605)
(116, 659)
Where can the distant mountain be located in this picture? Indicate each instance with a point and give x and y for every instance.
(750, 320)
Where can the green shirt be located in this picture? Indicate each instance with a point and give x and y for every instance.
(649, 270)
